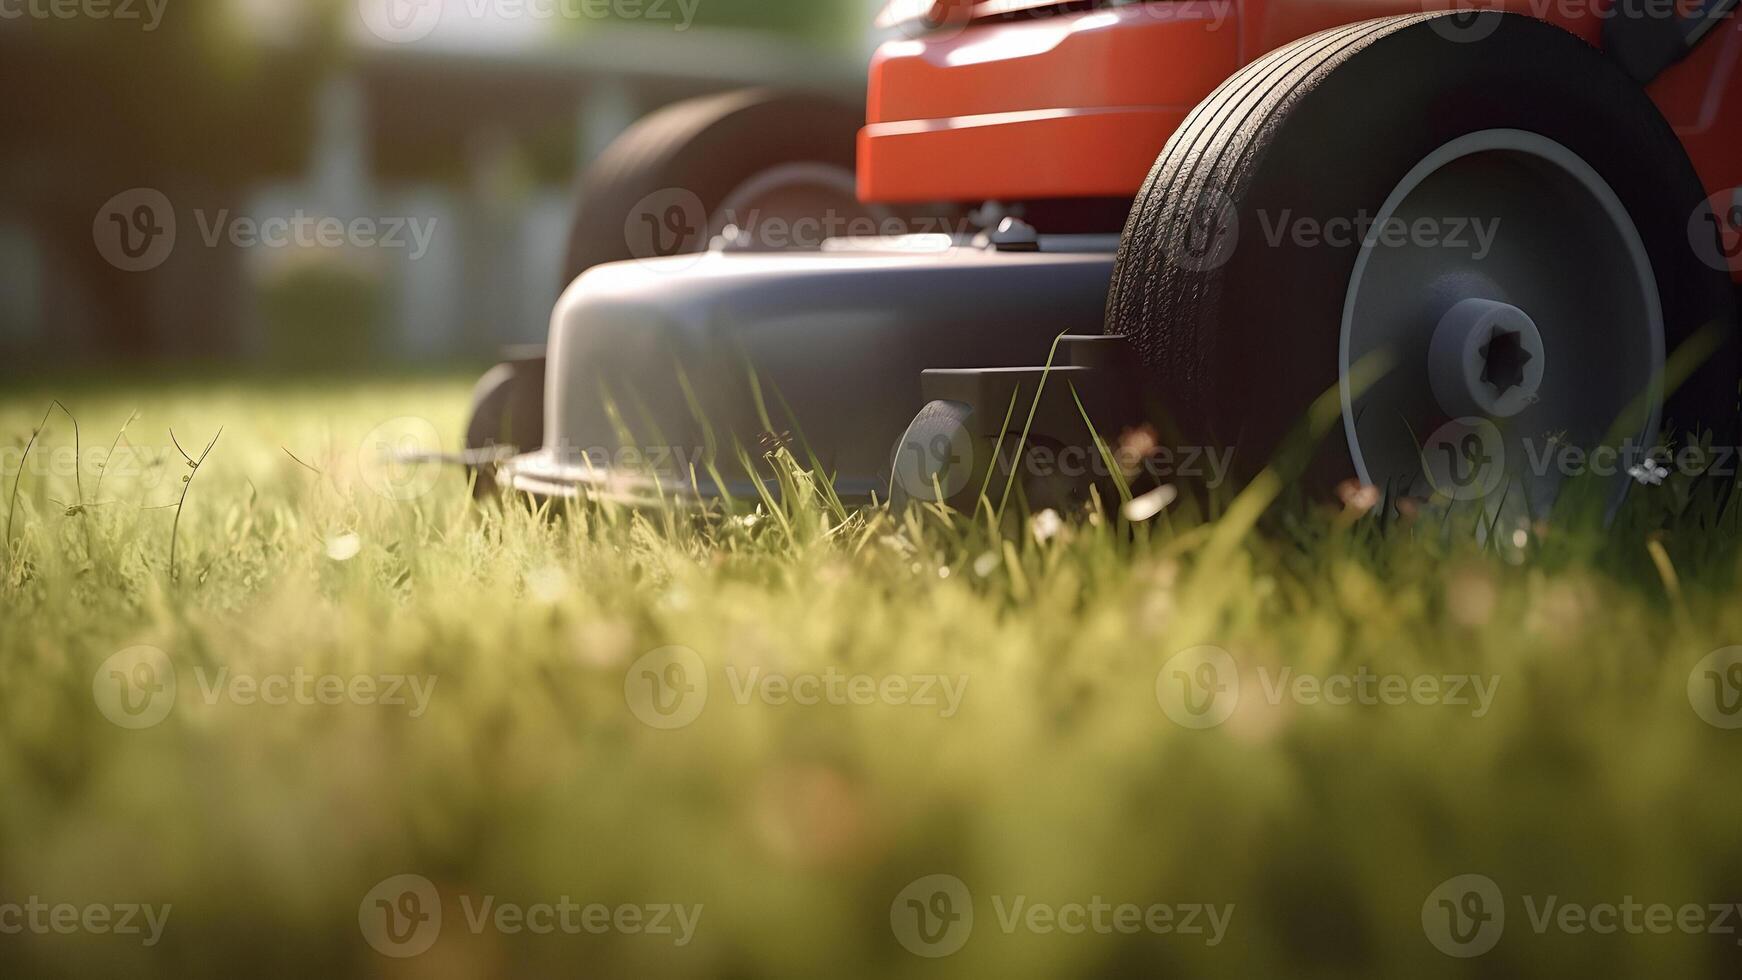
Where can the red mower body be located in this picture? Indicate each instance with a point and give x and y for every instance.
(1028, 99)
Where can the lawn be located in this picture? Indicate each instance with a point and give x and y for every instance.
(364, 727)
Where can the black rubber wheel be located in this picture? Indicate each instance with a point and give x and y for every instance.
(507, 417)
(1240, 331)
(658, 189)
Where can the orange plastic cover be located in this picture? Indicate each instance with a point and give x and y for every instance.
(1079, 104)
(1007, 109)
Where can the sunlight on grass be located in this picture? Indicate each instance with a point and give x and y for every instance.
(787, 714)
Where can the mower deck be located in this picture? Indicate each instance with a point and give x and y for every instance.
(677, 376)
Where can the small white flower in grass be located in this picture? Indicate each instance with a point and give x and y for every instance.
(547, 585)
(986, 564)
(1136, 446)
(603, 643)
(898, 544)
(1649, 473)
(344, 547)
(1141, 509)
(1357, 497)
(1046, 525)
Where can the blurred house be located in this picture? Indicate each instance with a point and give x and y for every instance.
(455, 143)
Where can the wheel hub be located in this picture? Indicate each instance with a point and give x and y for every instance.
(1486, 358)
(1484, 321)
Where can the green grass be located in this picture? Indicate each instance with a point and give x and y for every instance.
(1059, 778)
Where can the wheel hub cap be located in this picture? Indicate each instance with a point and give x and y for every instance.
(1486, 358)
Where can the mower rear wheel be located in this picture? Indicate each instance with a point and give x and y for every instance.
(507, 418)
(678, 177)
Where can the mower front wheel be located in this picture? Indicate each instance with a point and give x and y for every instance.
(942, 459)
(1473, 231)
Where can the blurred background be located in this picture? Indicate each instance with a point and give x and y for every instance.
(312, 183)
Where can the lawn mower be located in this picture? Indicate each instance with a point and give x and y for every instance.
(1493, 241)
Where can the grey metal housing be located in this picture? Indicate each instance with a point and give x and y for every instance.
(657, 366)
